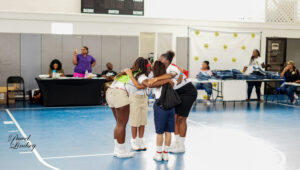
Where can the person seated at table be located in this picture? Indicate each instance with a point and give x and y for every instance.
(257, 62)
(84, 62)
(109, 75)
(290, 74)
(56, 66)
(205, 70)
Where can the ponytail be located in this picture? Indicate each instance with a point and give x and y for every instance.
(169, 55)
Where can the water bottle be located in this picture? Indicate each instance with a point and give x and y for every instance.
(54, 74)
(86, 74)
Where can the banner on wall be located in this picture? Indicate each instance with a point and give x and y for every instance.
(224, 50)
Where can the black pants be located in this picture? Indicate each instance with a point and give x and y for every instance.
(257, 88)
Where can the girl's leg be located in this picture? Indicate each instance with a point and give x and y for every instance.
(141, 131)
(182, 126)
(159, 139)
(141, 138)
(165, 155)
(134, 132)
(176, 133)
(134, 141)
(159, 142)
(122, 119)
(167, 138)
(115, 116)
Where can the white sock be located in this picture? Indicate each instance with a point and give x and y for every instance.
(134, 139)
(141, 139)
(121, 146)
(115, 140)
(166, 148)
(182, 140)
(177, 138)
(159, 148)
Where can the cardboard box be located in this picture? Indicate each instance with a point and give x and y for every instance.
(3, 93)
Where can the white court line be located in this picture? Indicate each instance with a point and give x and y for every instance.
(37, 155)
(283, 104)
(24, 152)
(77, 156)
(81, 156)
(8, 122)
(197, 123)
(11, 131)
(61, 107)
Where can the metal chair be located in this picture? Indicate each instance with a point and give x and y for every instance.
(21, 87)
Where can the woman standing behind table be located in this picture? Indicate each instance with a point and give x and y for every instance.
(258, 62)
(83, 62)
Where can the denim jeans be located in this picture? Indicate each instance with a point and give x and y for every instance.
(205, 86)
(257, 88)
(289, 90)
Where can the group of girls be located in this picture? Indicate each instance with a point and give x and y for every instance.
(127, 97)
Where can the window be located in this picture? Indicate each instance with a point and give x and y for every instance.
(224, 10)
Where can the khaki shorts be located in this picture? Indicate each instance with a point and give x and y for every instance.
(138, 110)
(116, 98)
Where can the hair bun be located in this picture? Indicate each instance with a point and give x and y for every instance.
(170, 53)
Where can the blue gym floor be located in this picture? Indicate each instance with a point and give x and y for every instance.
(233, 136)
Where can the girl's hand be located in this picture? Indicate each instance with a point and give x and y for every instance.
(152, 81)
(128, 72)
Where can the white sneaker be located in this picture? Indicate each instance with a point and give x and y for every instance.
(141, 143)
(115, 149)
(174, 145)
(180, 148)
(165, 156)
(158, 156)
(124, 154)
(134, 144)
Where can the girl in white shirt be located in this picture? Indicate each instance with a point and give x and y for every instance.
(188, 95)
(164, 119)
(119, 102)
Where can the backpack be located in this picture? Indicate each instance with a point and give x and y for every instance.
(168, 98)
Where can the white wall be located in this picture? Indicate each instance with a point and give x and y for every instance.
(93, 24)
(44, 6)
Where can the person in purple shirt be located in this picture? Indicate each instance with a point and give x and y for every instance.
(83, 62)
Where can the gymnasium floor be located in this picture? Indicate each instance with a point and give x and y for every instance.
(235, 136)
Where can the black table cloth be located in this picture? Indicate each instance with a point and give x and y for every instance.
(71, 91)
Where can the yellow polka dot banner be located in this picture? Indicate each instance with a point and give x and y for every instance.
(224, 50)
